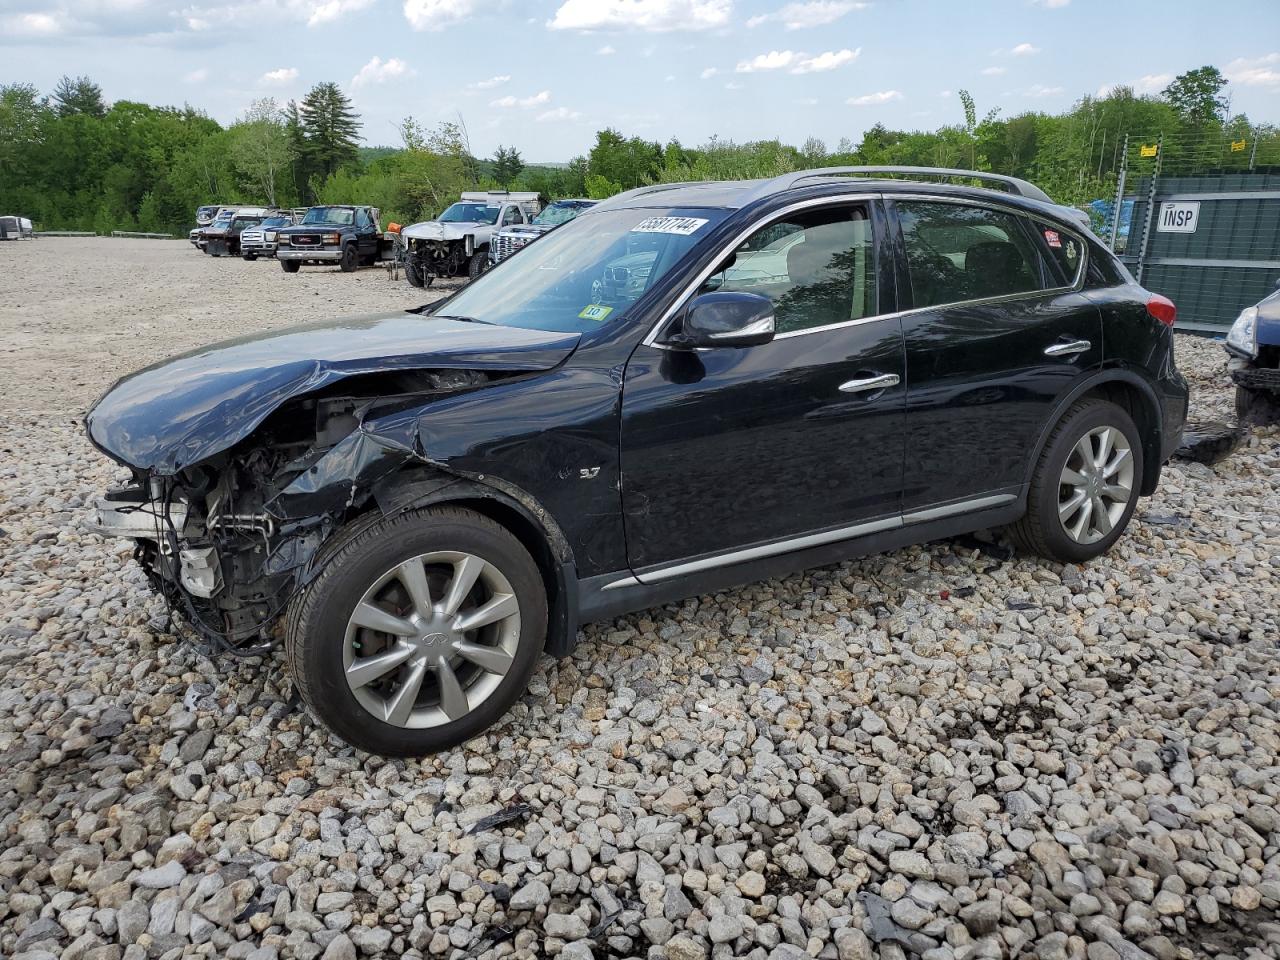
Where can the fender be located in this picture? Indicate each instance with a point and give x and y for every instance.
(1151, 462)
(414, 488)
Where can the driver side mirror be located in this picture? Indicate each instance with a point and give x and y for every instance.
(725, 320)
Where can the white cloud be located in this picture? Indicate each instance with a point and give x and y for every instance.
(651, 15)
(378, 70)
(437, 14)
(708, 73)
(31, 25)
(1024, 50)
(816, 13)
(1152, 82)
(1256, 72)
(606, 51)
(328, 10)
(827, 61)
(559, 113)
(281, 76)
(872, 99)
(773, 60)
(543, 96)
(993, 71)
(490, 83)
(1040, 90)
(199, 75)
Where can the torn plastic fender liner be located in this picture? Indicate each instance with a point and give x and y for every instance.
(179, 412)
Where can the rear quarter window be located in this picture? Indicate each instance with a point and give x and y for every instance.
(1066, 251)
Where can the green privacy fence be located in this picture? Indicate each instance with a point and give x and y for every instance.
(1210, 241)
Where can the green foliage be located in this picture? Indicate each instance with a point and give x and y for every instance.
(1196, 95)
(507, 165)
(326, 132)
(71, 162)
(77, 95)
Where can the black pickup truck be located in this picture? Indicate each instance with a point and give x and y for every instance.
(346, 235)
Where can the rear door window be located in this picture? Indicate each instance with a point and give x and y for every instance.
(956, 253)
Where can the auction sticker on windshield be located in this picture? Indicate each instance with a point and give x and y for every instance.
(680, 226)
(596, 312)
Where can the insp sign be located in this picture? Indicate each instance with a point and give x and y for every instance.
(1178, 216)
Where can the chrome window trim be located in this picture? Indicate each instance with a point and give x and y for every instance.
(650, 339)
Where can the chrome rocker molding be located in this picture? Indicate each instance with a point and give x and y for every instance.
(811, 540)
(613, 594)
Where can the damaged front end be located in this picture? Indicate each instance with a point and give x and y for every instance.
(246, 458)
(229, 541)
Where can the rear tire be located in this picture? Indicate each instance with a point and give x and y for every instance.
(290, 266)
(350, 259)
(1085, 485)
(434, 682)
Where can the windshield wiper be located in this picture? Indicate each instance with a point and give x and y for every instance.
(445, 316)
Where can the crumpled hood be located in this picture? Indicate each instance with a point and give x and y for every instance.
(178, 412)
(435, 230)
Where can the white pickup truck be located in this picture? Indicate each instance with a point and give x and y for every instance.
(457, 244)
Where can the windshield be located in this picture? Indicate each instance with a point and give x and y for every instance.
(470, 213)
(558, 213)
(277, 222)
(586, 273)
(224, 217)
(341, 216)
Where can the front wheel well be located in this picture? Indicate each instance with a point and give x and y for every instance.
(1146, 417)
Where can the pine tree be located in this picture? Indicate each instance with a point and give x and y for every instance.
(329, 128)
(78, 95)
(507, 165)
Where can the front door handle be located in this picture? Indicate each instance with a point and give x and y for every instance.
(870, 383)
(1067, 348)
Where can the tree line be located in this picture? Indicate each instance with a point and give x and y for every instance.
(71, 161)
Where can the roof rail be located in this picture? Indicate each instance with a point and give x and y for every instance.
(1012, 185)
(642, 191)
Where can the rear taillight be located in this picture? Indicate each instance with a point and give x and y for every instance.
(1162, 309)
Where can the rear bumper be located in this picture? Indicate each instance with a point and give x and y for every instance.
(319, 253)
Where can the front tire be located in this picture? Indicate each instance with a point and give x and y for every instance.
(290, 266)
(251, 257)
(350, 259)
(1085, 485)
(419, 633)
(413, 273)
(478, 264)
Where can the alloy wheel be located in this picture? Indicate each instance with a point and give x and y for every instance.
(1096, 485)
(431, 639)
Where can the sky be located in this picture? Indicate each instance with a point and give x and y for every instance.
(544, 75)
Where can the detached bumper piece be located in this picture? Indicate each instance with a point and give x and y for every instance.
(1209, 441)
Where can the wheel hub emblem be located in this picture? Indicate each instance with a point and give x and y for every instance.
(432, 639)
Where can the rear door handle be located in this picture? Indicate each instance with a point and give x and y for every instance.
(1067, 348)
(870, 383)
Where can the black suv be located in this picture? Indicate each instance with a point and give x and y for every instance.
(687, 387)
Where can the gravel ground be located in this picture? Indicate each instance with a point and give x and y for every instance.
(939, 752)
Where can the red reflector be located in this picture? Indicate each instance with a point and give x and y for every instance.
(1162, 309)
